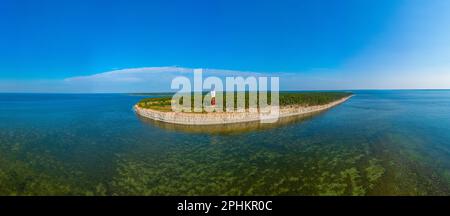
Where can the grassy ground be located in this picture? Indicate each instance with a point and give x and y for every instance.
(285, 99)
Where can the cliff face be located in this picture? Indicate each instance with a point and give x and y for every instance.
(227, 117)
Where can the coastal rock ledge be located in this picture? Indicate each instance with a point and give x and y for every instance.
(185, 118)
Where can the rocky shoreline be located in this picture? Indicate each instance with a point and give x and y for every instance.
(228, 118)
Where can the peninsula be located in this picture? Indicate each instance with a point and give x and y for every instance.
(291, 104)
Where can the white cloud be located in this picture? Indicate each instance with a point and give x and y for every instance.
(144, 79)
(129, 75)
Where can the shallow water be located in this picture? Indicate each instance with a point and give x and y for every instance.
(378, 142)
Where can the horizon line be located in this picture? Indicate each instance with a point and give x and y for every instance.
(162, 92)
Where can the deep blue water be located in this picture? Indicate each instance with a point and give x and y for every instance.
(378, 142)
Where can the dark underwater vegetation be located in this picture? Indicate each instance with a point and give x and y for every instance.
(376, 143)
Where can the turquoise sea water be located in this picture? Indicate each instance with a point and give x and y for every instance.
(378, 142)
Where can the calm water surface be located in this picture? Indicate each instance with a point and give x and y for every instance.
(378, 142)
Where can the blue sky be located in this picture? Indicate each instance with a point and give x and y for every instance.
(72, 46)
